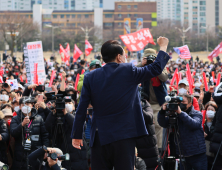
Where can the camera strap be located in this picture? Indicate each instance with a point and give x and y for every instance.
(28, 127)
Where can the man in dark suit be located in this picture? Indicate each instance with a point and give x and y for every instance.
(117, 117)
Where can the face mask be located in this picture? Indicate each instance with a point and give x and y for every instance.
(75, 70)
(59, 77)
(68, 72)
(125, 60)
(59, 163)
(13, 64)
(183, 107)
(182, 91)
(69, 108)
(210, 114)
(26, 109)
(72, 72)
(69, 78)
(4, 97)
(86, 68)
(61, 70)
(16, 108)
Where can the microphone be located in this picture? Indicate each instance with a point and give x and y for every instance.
(168, 99)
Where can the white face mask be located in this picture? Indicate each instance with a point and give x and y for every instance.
(210, 114)
(69, 78)
(68, 72)
(59, 77)
(182, 91)
(59, 163)
(61, 70)
(69, 108)
(26, 109)
(16, 108)
(5, 97)
(125, 60)
(75, 70)
(72, 72)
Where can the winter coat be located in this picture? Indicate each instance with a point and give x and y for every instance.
(37, 127)
(147, 145)
(191, 133)
(217, 123)
(78, 158)
(5, 137)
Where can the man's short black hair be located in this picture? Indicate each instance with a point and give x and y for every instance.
(110, 49)
(82, 62)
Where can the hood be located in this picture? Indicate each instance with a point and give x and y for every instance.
(2, 115)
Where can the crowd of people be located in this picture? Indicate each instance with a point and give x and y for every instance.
(32, 127)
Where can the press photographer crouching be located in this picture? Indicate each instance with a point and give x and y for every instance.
(61, 124)
(190, 133)
(28, 130)
(50, 158)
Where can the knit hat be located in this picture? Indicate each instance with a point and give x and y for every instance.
(149, 51)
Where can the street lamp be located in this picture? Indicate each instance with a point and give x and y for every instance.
(53, 27)
(207, 38)
(183, 31)
(86, 31)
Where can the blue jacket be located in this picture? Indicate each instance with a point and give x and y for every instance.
(113, 92)
(191, 134)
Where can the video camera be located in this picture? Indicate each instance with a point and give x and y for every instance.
(54, 156)
(60, 104)
(173, 103)
(150, 59)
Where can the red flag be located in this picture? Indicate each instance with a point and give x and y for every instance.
(215, 52)
(189, 75)
(180, 76)
(83, 71)
(203, 120)
(64, 53)
(205, 81)
(138, 40)
(35, 73)
(67, 49)
(174, 77)
(77, 80)
(88, 48)
(177, 79)
(218, 79)
(77, 53)
(52, 78)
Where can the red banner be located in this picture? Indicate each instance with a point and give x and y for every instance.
(77, 53)
(203, 120)
(77, 81)
(35, 73)
(205, 81)
(52, 78)
(88, 48)
(215, 52)
(65, 54)
(138, 40)
(218, 79)
(174, 77)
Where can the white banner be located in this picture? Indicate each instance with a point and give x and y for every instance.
(33, 53)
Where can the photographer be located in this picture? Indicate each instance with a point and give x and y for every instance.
(78, 158)
(27, 118)
(191, 135)
(155, 90)
(45, 162)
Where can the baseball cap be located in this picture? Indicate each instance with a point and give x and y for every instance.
(183, 82)
(7, 112)
(196, 94)
(95, 62)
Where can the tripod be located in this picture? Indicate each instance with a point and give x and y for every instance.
(58, 126)
(172, 126)
(216, 156)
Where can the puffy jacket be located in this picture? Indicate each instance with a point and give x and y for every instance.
(37, 127)
(78, 158)
(147, 145)
(191, 133)
(5, 137)
(217, 123)
(80, 84)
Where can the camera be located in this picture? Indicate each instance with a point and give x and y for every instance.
(54, 156)
(173, 103)
(40, 88)
(4, 77)
(60, 105)
(150, 59)
(50, 96)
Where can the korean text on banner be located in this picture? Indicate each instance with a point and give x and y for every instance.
(138, 40)
(33, 53)
(215, 52)
(13, 84)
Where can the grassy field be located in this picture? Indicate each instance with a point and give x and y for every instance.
(202, 56)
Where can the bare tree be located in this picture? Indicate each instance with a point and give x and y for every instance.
(16, 27)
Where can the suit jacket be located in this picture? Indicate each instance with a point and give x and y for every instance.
(113, 92)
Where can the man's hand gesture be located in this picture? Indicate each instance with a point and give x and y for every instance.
(77, 143)
(163, 43)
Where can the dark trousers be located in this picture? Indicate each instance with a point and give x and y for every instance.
(119, 155)
(196, 162)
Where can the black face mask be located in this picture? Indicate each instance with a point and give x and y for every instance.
(183, 107)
